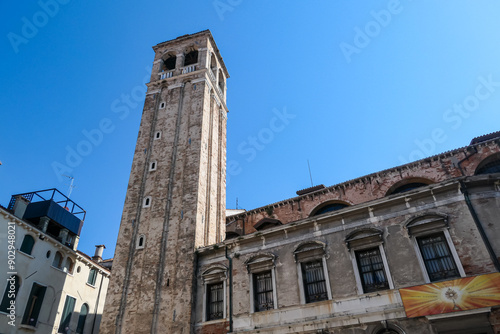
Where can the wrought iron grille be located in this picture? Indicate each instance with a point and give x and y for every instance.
(371, 270)
(314, 281)
(215, 301)
(437, 257)
(263, 291)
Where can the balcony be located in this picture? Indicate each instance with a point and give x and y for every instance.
(62, 212)
(166, 74)
(188, 69)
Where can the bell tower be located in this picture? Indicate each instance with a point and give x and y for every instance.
(176, 193)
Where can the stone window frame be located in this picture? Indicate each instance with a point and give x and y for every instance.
(157, 135)
(138, 244)
(258, 263)
(310, 251)
(146, 202)
(153, 165)
(212, 275)
(427, 224)
(363, 239)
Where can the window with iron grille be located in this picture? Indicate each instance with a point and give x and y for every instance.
(263, 291)
(314, 281)
(437, 257)
(215, 301)
(371, 270)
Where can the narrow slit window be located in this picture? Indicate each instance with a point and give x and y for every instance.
(157, 135)
(152, 166)
(162, 105)
(147, 202)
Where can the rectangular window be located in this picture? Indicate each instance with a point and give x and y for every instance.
(263, 291)
(34, 305)
(215, 301)
(437, 257)
(314, 281)
(92, 277)
(69, 306)
(371, 270)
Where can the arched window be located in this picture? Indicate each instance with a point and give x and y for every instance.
(27, 245)
(146, 202)
(141, 241)
(191, 58)
(10, 294)
(213, 65)
(408, 185)
(489, 165)
(328, 207)
(221, 81)
(68, 265)
(169, 63)
(58, 259)
(81, 319)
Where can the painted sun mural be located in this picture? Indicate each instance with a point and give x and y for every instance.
(452, 296)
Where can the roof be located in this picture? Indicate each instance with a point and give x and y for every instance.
(484, 138)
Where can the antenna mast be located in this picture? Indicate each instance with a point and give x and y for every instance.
(71, 186)
(310, 175)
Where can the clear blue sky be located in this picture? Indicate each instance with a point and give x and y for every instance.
(366, 85)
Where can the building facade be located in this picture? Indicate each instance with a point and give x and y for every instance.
(412, 249)
(48, 285)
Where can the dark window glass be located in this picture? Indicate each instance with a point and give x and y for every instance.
(81, 318)
(27, 245)
(329, 208)
(314, 281)
(191, 58)
(215, 301)
(92, 277)
(263, 291)
(57, 260)
(371, 270)
(408, 187)
(11, 291)
(69, 306)
(34, 305)
(437, 257)
(489, 168)
(169, 63)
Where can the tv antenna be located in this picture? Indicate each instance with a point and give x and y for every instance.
(71, 186)
(310, 175)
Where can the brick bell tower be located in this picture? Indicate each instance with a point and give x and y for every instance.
(176, 193)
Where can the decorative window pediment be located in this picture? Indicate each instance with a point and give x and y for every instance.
(309, 250)
(365, 237)
(216, 273)
(426, 223)
(260, 262)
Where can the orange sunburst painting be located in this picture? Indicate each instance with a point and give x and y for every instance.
(452, 296)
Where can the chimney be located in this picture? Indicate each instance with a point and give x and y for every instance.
(99, 249)
(20, 206)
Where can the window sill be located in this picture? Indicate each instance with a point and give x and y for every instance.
(62, 270)
(92, 286)
(27, 327)
(25, 254)
(214, 321)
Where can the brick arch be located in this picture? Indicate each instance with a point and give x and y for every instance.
(322, 205)
(493, 158)
(408, 181)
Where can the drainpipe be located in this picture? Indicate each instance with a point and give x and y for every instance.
(479, 226)
(230, 291)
